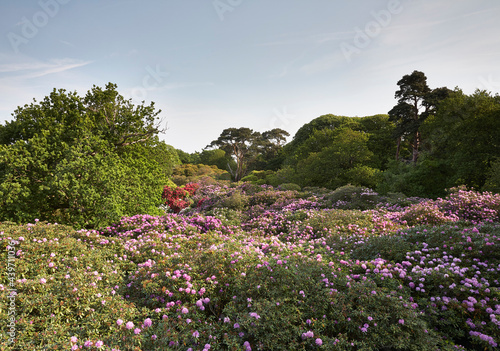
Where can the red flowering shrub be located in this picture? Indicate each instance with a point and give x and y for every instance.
(177, 198)
(191, 188)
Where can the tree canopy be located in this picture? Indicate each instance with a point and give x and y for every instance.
(247, 147)
(416, 101)
(85, 161)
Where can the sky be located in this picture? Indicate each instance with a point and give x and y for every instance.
(209, 65)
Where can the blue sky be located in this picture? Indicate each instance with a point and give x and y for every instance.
(263, 64)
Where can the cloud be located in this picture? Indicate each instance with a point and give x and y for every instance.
(36, 69)
(23, 78)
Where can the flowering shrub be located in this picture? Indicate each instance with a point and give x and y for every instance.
(176, 198)
(426, 213)
(284, 273)
(471, 205)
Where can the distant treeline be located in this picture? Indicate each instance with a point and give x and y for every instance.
(89, 160)
(432, 140)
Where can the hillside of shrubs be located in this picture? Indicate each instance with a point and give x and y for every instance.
(240, 266)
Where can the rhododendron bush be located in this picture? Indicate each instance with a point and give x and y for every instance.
(177, 198)
(249, 267)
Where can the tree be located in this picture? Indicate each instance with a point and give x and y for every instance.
(241, 144)
(345, 160)
(464, 136)
(217, 157)
(329, 121)
(82, 161)
(184, 157)
(103, 113)
(493, 178)
(270, 148)
(416, 101)
(380, 139)
(272, 142)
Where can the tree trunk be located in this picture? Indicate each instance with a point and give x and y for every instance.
(416, 143)
(398, 149)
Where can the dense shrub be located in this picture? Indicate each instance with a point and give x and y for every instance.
(352, 197)
(294, 276)
(177, 198)
(471, 205)
(235, 201)
(493, 181)
(198, 173)
(289, 186)
(426, 213)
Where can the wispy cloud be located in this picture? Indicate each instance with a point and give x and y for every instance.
(36, 69)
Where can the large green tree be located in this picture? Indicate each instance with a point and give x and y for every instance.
(84, 161)
(248, 148)
(332, 151)
(323, 122)
(343, 160)
(416, 102)
(216, 157)
(464, 136)
(239, 143)
(270, 149)
(460, 146)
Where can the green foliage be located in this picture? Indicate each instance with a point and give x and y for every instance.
(344, 160)
(245, 149)
(459, 146)
(82, 161)
(413, 180)
(464, 134)
(324, 122)
(493, 180)
(217, 157)
(363, 175)
(380, 139)
(236, 201)
(198, 173)
(184, 157)
(294, 276)
(286, 174)
(289, 186)
(352, 197)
